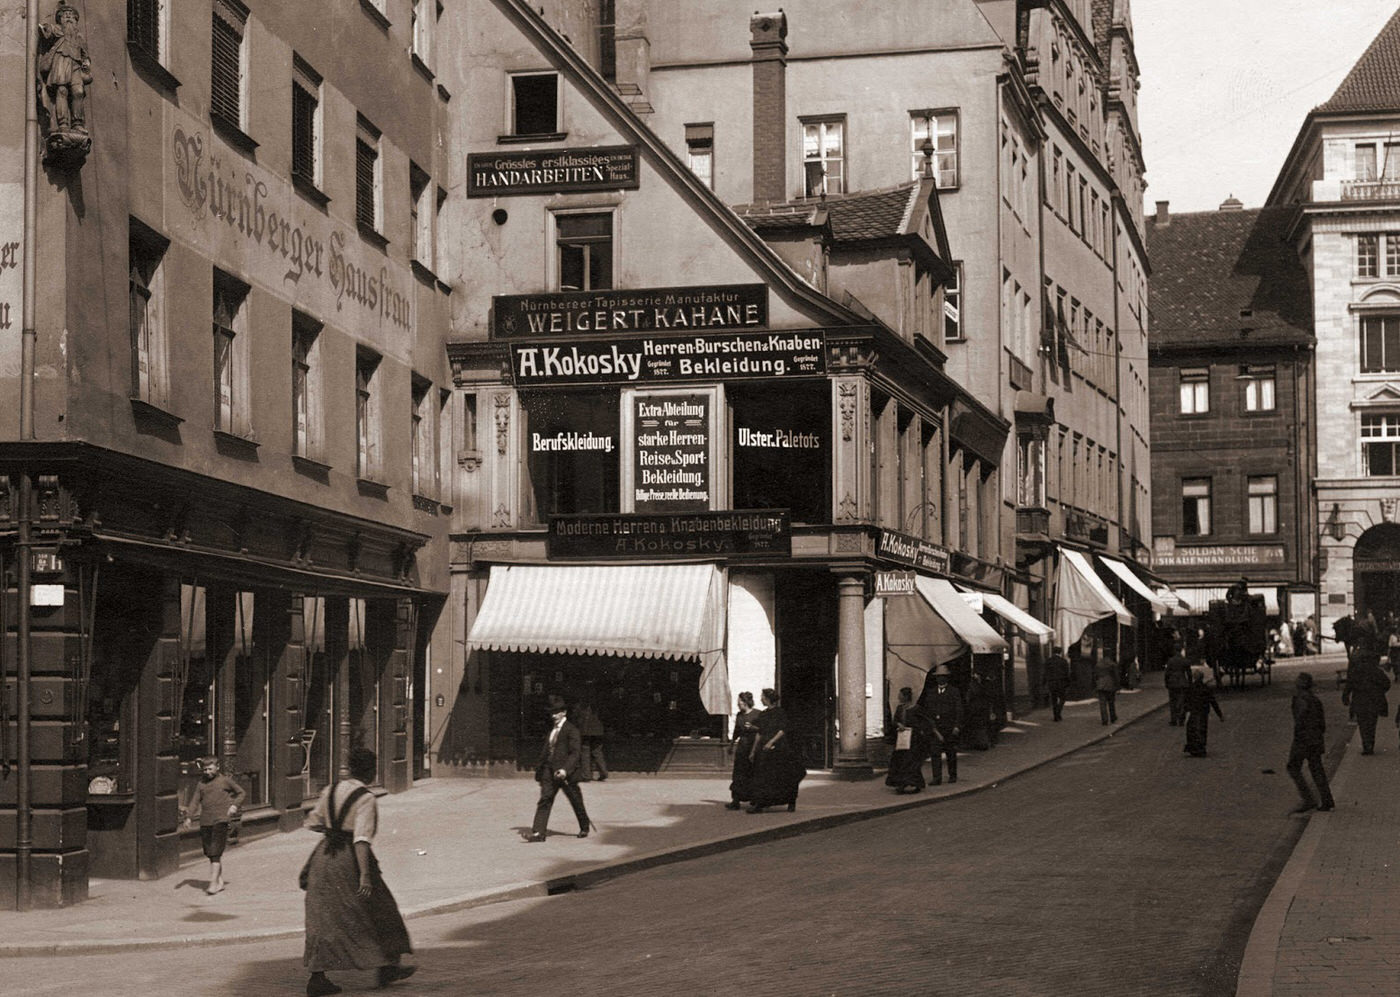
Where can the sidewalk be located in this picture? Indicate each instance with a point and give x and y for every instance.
(1331, 925)
(450, 844)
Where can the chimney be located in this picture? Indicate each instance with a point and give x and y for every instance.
(1232, 203)
(768, 34)
(1163, 218)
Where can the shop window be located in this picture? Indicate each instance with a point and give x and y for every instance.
(700, 152)
(146, 293)
(952, 305)
(1380, 344)
(194, 691)
(369, 177)
(306, 387)
(252, 700)
(231, 356)
(226, 61)
(572, 458)
(1195, 507)
(939, 131)
(534, 105)
(1380, 444)
(1263, 504)
(367, 416)
(583, 251)
(1195, 390)
(1258, 380)
(824, 156)
(306, 123)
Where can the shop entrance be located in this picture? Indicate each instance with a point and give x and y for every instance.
(806, 626)
(1377, 571)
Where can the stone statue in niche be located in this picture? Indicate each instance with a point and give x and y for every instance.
(64, 74)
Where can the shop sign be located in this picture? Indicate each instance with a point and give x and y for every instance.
(669, 358)
(893, 583)
(654, 309)
(494, 174)
(1221, 554)
(778, 439)
(671, 459)
(905, 549)
(740, 533)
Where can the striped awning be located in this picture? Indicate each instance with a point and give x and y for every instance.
(1130, 579)
(948, 603)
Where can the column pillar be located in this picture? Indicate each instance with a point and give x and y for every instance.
(852, 761)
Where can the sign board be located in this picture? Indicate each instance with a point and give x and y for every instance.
(739, 533)
(893, 583)
(669, 358)
(671, 453)
(652, 309)
(552, 171)
(905, 549)
(1218, 554)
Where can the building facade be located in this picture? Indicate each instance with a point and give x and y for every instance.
(1233, 431)
(223, 529)
(1340, 180)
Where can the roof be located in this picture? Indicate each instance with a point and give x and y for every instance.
(1374, 82)
(874, 214)
(1218, 273)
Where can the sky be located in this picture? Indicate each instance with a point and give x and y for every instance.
(1226, 85)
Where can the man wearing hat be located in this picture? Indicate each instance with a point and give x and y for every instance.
(943, 703)
(558, 769)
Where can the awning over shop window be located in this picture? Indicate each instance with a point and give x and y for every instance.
(1130, 579)
(1175, 603)
(971, 628)
(1081, 598)
(634, 611)
(1010, 612)
(1198, 598)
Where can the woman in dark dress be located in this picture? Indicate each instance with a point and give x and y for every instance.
(745, 733)
(777, 767)
(911, 724)
(352, 921)
(1199, 702)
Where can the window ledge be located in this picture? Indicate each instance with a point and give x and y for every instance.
(524, 139)
(375, 14)
(424, 504)
(372, 488)
(232, 134)
(373, 237)
(310, 465)
(234, 442)
(444, 93)
(148, 65)
(308, 189)
(444, 286)
(151, 412)
(421, 271)
(422, 68)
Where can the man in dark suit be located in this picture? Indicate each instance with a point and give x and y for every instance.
(1366, 687)
(558, 769)
(1309, 742)
(944, 705)
(1056, 680)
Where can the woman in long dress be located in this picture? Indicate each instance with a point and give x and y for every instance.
(906, 773)
(777, 767)
(352, 921)
(745, 733)
(1199, 702)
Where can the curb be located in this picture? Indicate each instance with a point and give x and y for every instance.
(582, 879)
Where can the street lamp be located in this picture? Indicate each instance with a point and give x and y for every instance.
(1335, 527)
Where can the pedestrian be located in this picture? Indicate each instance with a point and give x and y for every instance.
(591, 731)
(352, 921)
(558, 768)
(1309, 741)
(1200, 700)
(1366, 686)
(214, 802)
(745, 733)
(906, 773)
(777, 767)
(1057, 680)
(1128, 672)
(977, 718)
(1177, 676)
(944, 706)
(1106, 687)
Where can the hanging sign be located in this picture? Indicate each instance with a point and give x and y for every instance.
(893, 583)
(914, 551)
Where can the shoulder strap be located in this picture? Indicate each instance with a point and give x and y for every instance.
(339, 818)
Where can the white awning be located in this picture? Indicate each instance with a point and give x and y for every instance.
(634, 611)
(1081, 598)
(1013, 614)
(971, 628)
(1130, 579)
(1199, 597)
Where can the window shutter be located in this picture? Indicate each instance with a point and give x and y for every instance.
(303, 133)
(143, 25)
(226, 72)
(365, 156)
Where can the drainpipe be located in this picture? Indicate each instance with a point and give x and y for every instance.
(23, 810)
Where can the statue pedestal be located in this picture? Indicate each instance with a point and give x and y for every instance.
(67, 150)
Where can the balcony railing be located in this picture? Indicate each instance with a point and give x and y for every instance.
(1371, 190)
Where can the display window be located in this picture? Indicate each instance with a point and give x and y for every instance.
(781, 448)
(571, 452)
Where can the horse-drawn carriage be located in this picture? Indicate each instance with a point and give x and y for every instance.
(1237, 638)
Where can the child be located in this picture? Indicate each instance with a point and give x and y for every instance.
(216, 798)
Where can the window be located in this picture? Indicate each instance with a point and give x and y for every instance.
(1195, 390)
(940, 130)
(700, 152)
(1366, 161)
(146, 27)
(824, 157)
(584, 244)
(306, 123)
(1258, 387)
(535, 104)
(1195, 507)
(306, 386)
(1368, 168)
(1380, 444)
(1380, 343)
(422, 466)
(1263, 504)
(366, 415)
(1057, 182)
(368, 177)
(226, 62)
(421, 29)
(607, 40)
(1082, 206)
(1030, 472)
(952, 305)
(1071, 186)
(421, 195)
(230, 355)
(146, 294)
(1366, 255)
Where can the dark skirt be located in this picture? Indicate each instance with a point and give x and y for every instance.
(343, 929)
(741, 780)
(907, 765)
(776, 774)
(1197, 730)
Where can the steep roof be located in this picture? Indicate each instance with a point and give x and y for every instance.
(1374, 82)
(1218, 273)
(876, 214)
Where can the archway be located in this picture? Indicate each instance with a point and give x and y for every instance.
(1376, 570)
